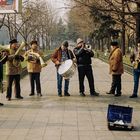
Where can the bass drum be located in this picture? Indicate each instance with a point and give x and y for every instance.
(67, 69)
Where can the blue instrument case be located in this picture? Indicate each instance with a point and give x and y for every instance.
(119, 117)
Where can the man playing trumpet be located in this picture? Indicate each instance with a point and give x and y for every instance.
(34, 67)
(13, 69)
(83, 56)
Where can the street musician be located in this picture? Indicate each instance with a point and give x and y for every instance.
(2, 61)
(83, 55)
(13, 69)
(61, 55)
(34, 67)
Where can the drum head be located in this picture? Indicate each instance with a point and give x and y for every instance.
(65, 66)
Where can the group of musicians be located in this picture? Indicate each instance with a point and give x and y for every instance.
(13, 68)
(80, 55)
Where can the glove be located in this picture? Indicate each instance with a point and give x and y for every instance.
(17, 57)
(30, 58)
(21, 58)
(37, 61)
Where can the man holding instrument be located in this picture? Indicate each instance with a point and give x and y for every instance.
(13, 69)
(60, 55)
(2, 61)
(34, 67)
(83, 56)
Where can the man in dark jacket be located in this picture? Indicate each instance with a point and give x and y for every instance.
(83, 56)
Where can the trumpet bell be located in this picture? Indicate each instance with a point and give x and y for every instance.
(88, 47)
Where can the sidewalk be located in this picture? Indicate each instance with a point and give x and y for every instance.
(67, 118)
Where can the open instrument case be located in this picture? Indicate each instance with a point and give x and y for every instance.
(119, 117)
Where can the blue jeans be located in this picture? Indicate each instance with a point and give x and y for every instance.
(59, 84)
(136, 74)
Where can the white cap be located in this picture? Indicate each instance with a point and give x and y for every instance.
(79, 40)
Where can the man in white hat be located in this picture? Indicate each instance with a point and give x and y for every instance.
(83, 56)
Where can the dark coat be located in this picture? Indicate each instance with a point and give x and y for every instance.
(83, 56)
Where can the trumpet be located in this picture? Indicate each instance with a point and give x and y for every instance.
(88, 47)
(37, 56)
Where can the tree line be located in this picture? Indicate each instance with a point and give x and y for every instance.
(100, 21)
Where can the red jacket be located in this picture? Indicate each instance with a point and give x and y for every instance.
(56, 56)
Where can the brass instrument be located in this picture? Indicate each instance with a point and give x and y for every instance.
(37, 56)
(88, 47)
(17, 62)
(3, 51)
(6, 49)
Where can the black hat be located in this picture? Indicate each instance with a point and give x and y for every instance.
(114, 43)
(13, 41)
(65, 43)
(33, 42)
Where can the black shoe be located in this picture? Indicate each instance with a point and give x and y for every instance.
(133, 96)
(94, 94)
(1, 104)
(8, 99)
(60, 95)
(82, 94)
(32, 94)
(66, 94)
(117, 95)
(39, 94)
(109, 92)
(20, 97)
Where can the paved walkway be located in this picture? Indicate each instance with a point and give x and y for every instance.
(67, 118)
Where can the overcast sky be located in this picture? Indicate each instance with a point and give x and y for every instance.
(60, 5)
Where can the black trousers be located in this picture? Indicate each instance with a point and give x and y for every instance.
(35, 79)
(116, 84)
(10, 79)
(86, 71)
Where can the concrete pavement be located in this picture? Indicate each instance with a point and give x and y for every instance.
(67, 118)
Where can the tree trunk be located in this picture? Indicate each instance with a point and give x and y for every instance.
(138, 23)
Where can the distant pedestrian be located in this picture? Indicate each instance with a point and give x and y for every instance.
(116, 68)
(83, 56)
(135, 60)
